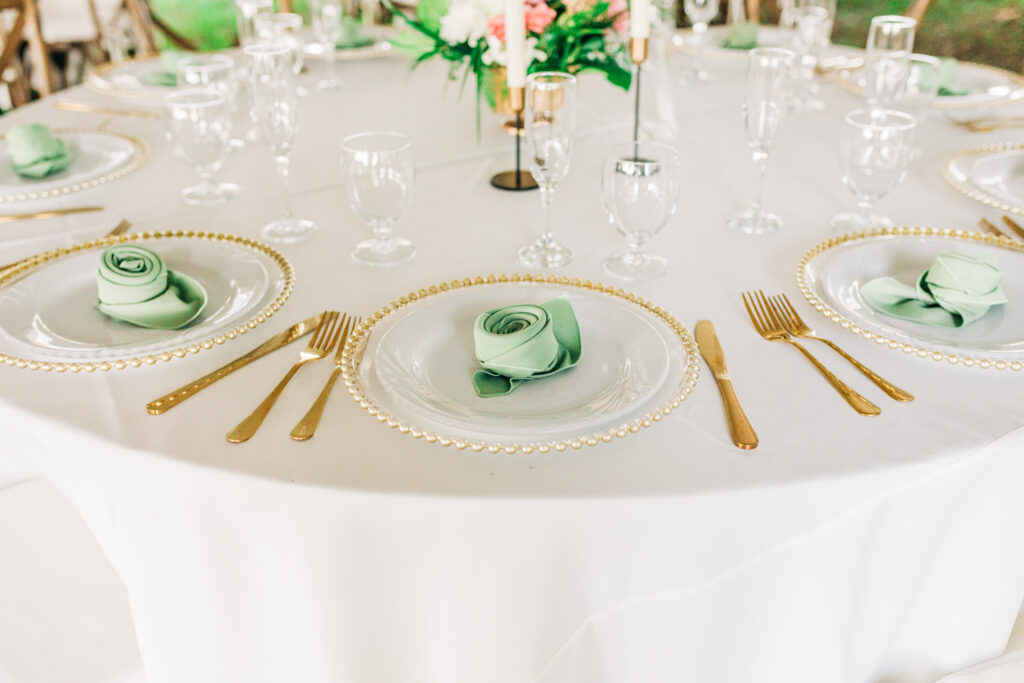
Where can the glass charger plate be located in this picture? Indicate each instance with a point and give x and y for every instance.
(411, 365)
(48, 320)
(830, 277)
(98, 157)
(989, 87)
(128, 79)
(992, 175)
(380, 47)
(710, 47)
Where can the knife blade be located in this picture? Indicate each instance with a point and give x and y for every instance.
(48, 214)
(739, 426)
(168, 401)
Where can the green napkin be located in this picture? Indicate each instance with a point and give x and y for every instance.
(955, 291)
(350, 34)
(34, 152)
(741, 37)
(136, 287)
(167, 75)
(524, 342)
(947, 80)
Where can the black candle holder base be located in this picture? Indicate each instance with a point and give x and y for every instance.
(514, 181)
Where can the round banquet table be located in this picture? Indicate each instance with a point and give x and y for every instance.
(843, 549)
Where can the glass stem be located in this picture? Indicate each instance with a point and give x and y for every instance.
(332, 63)
(283, 160)
(761, 165)
(381, 229)
(865, 207)
(547, 200)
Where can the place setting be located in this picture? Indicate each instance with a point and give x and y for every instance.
(992, 175)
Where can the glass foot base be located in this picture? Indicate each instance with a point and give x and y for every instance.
(854, 222)
(755, 223)
(327, 84)
(807, 105)
(207, 194)
(630, 266)
(389, 252)
(287, 230)
(545, 255)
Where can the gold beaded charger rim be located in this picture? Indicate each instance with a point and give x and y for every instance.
(140, 151)
(98, 83)
(964, 186)
(34, 263)
(847, 83)
(803, 282)
(356, 344)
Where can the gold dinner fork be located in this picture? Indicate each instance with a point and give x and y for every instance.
(794, 324)
(323, 341)
(769, 327)
(119, 229)
(308, 424)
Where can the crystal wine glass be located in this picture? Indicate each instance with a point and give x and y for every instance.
(286, 28)
(327, 24)
(640, 186)
(700, 13)
(379, 172)
(275, 105)
(212, 72)
(876, 147)
(550, 126)
(246, 11)
(764, 106)
(198, 125)
(887, 61)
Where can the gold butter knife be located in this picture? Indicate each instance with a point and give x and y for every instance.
(49, 214)
(82, 107)
(165, 403)
(739, 426)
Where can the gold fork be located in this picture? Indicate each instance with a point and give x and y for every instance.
(308, 424)
(119, 229)
(1014, 225)
(770, 328)
(323, 341)
(991, 227)
(795, 325)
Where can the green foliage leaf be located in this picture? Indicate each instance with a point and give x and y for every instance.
(429, 13)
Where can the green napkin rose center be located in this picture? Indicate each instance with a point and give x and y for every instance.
(34, 151)
(135, 286)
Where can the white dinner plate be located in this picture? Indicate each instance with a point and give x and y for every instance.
(988, 87)
(97, 157)
(128, 79)
(992, 175)
(637, 364)
(48, 316)
(832, 275)
(709, 46)
(380, 47)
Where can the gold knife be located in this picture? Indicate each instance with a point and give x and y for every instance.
(294, 332)
(1015, 226)
(96, 109)
(739, 427)
(49, 214)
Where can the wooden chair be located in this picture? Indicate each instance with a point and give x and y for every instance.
(144, 25)
(916, 10)
(25, 27)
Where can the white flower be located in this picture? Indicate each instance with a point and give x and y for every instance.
(466, 20)
(496, 53)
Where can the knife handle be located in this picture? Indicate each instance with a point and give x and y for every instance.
(739, 426)
(172, 399)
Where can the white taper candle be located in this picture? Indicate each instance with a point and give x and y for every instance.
(515, 42)
(639, 18)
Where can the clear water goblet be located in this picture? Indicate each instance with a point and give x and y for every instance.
(198, 124)
(887, 60)
(379, 172)
(550, 127)
(640, 186)
(284, 27)
(922, 85)
(245, 13)
(328, 16)
(275, 108)
(213, 72)
(699, 13)
(876, 147)
(764, 107)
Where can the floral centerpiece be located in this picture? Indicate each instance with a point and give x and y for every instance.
(562, 35)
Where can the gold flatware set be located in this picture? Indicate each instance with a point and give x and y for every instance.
(84, 108)
(53, 213)
(1013, 229)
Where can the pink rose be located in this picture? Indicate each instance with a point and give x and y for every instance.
(538, 17)
(619, 7)
(574, 6)
(496, 27)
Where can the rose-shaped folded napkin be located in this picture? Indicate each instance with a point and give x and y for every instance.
(947, 80)
(351, 34)
(167, 74)
(741, 37)
(136, 287)
(524, 342)
(955, 291)
(34, 152)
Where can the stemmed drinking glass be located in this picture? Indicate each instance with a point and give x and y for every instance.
(284, 28)
(274, 106)
(212, 72)
(245, 13)
(876, 147)
(700, 13)
(550, 126)
(764, 106)
(812, 21)
(887, 62)
(640, 186)
(379, 172)
(198, 125)
(327, 18)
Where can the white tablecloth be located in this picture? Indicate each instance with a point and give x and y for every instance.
(843, 549)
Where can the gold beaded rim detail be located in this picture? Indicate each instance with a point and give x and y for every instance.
(945, 103)
(33, 262)
(96, 81)
(976, 193)
(138, 156)
(803, 276)
(352, 355)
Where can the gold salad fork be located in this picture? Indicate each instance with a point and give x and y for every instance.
(308, 424)
(769, 327)
(794, 324)
(324, 339)
(119, 229)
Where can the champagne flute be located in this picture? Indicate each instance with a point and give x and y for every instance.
(764, 106)
(284, 28)
(700, 13)
(327, 18)
(550, 126)
(887, 62)
(813, 25)
(198, 124)
(274, 105)
(245, 13)
(876, 148)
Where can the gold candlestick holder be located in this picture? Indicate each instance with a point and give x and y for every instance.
(517, 180)
(638, 48)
